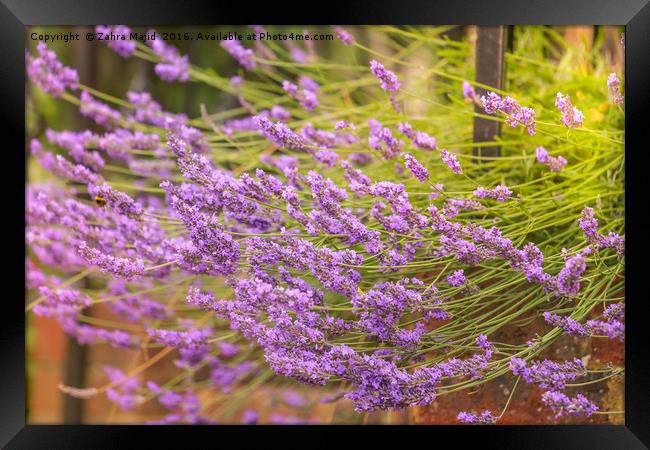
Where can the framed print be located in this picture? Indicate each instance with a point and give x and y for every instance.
(418, 220)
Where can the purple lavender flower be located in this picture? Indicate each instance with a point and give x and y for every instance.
(117, 200)
(614, 86)
(501, 193)
(548, 374)
(359, 183)
(615, 311)
(122, 267)
(236, 81)
(173, 66)
(250, 417)
(77, 144)
(118, 39)
(569, 325)
(124, 394)
(147, 110)
(485, 418)
(343, 35)
(279, 113)
(516, 114)
(420, 139)
(417, 169)
(307, 97)
(100, 112)
(280, 134)
(294, 399)
(450, 160)
(308, 84)
(589, 226)
(468, 91)
(387, 79)
(382, 139)
(457, 278)
(343, 124)
(203, 300)
(563, 404)
(555, 164)
(613, 329)
(48, 73)
(572, 117)
(568, 280)
(244, 56)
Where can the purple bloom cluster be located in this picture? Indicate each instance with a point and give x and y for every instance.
(307, 97)
(121, 267)
(118, 38)
(125, 394)
(244, 56)
(612, 327)
(280, 134)
(563, 404)
(516, 114)
(468, 91)
(173, 66)
(420, 139)
(473, 244)
(548, 374)
(572, 117)
(555, 163)
(589, 226)
(500, 193)
(450, 160)
(457, 278)
(98, 111)
(387, 79)
(614, 86)
(417, 169)
(77, 145)
(485, 418)
(569, 325)
(382, 139)
(343, 35)
(48, 73)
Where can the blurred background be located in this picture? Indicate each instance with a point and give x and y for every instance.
(53, 358)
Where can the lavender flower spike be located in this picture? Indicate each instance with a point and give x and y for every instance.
(468, 91)
(48, 73)
(485, 418)
(387, 79)
(280, 134)
(417, 169)
(614, 86)
(121, 267)
(516, 114)
(575, 406)
(457, 278)
(343, 35)
(173, 66)
(572, 117)
(500, 193)
(451, 160)
(244, 56)
(118, 39)
(555, 164)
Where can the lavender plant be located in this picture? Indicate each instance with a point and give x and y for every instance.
(334, 229)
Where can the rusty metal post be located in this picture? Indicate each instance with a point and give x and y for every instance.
(491, 44)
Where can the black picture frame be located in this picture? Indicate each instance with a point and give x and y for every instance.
(15, 15)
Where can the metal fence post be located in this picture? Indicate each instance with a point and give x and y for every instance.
(491, 44)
